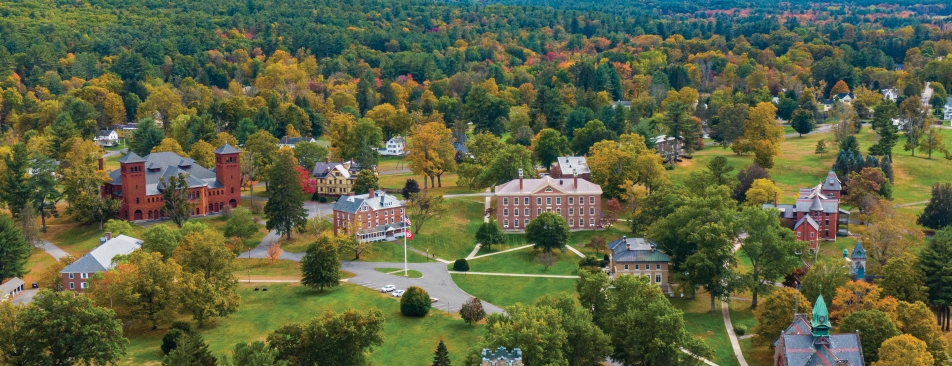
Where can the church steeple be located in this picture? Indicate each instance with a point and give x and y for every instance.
(820, 324)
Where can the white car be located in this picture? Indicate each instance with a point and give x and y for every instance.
(387, 288)
(397, 293)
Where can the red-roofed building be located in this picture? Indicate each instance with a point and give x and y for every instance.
(816, 215)
(577, 200)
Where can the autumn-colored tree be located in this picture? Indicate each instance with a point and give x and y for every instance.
(274, 251)
(392, 121)
(864, 188)
(431, 152)
(597, 243)
(82, 180)
(889, 234)
(223, 138)
(775, 313)
(904, 350)
(839, 88)
(612, 163)
(903, 279)
(203, 153)
(932, 140)
(308, 182)
(763, 134)
(612, 208)
(762, 191)
(855, 296)
(169, 145)
(209, 287)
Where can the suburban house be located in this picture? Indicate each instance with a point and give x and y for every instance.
(140, 181)
(947, 110)
(125, 131)
(668, 147)
(501, 357)
(621, 103)
(808, 342)
(98, 260)
(394, 147)
(844, 97)
(577, 200)
(11, 288)
(639, 257)
(292, 141)
(107, 138)
(335, 179)
(378, 215)
(567, 166)
(890, 94)
(816, 215)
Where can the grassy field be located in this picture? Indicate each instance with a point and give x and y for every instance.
(263, 267)
(524, 261)
(451, 236)
(505, 291)
(707, 326)
(262, 312)
(38, 262)
(399, 272)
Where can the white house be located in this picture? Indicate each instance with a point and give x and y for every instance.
(947, 112)
(890, 94)
(107, 138)
(395, 147)
(292, 141)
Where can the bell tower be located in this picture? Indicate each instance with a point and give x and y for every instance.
(228, 173)
(132, 175)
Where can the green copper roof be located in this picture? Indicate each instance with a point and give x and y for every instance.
(820, 323)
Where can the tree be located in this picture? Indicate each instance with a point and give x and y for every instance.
(864, 188)
(548, 146)
(918, 320)
(15, 188)
(889, 235)
(261, 148)
(820, 147)
(938, 212)
(241, 224)
(44, 182)
(144, 290)
(392, 121)
(146, 137)
(169, 145)
(415, 302)
(883, 116)
(536, 330)
(505, 166)
(160, 239)
(546, 259)
(255, 354)
(118, 227)
(763, 133)
(593, 132)
(934, 261)
(209, 286)
(320, 266)
(774, 314)
(309, 153)
(82, 181)
(170, 339)
(771, 248)
(597, 243)
(366, 180)
(745, 180)
(823, 278)
(802, 121)
(409, 188)
(762, 191)
(177, 203)
(486, 110)
(431, 152)
(858, 296)
(441, 357)
(423, 206)
(903, 279)
(330, 339)
(472, 311)
(874, 326)
(489, 234)
(203, 153)
(904, 350)
(612, 163)
(51, 277)
(548, 231)
(931, 139)
(191, 350)
(729, 124)
(29, 227)
(14, 249)
(285, 207)
(839, 88)
(483, 149)
(586, 343)
(64, 328)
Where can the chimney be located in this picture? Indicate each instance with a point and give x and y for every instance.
(100, 163)
(775, 198)
(520, 179)
(371, 193)
(327, 160)
(351, 194)
(575, 174)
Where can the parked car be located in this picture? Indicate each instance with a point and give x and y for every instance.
(387, 288)
(433, 299)
(397, 293)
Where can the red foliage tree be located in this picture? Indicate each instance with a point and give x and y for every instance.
(308, 183)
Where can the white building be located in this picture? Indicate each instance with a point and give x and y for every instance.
(107, 138)
(947, 112)
(890, 94)
(395, 147)
(293, 141)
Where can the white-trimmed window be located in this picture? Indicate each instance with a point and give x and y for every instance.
(626, 266)
(515, 211)
(526, 201)
(571, 211)
(83, 285)
(538, 200)
(559, 211)
(657, 278)
(591, 211)
(515, 222)
(637, 266)
(525, 211)
(558, 200)
(72, 285)
(538, 211)
(548, 200)
(71, 276)
(505, 212)
(84, 275)
(505, 223)
(571, 222)
(505, 201)
(657, 266)
(591, 222)
(571, 200)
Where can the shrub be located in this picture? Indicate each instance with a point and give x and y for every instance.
(226, 212)
(169, 341)
(415, 302)
(461, 265)
(740, 329)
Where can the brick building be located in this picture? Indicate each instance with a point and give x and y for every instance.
(816, 215)
(808, 342)
(577, 200)
(76, 274)
(640, 257)
(139, 183)
(568, 166)
(379, 216)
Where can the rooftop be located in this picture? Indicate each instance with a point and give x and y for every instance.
(564, 185)
(164, 165)
(570, 164)
(377, 201)
(100, 259)
(636, 250)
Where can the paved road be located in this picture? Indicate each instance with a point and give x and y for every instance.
(52, 250)
(25, 297)
(459, 195)
(436, 281)
(820, 128)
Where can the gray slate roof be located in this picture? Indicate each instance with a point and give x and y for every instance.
(100, 259)
(131, 157)
(164, 165)
(826, 205)
(640, 251)
(570, 164)
(809, 221)
(227, 149)
(7, 287)
(832, 182)
(806, 349)
(858, 251)
(322, 169)
(380, 200)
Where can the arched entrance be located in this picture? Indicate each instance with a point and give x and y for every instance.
(136, 216)
(233, 203)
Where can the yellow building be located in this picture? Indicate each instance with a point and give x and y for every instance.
(335, 179)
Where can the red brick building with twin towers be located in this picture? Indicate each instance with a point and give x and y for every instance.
(139, 183)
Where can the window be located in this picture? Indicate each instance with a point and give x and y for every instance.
(591, 222)
(798, 234)
(538, 211)
(515, 211)
(505, 223)
(558, 211)
(70, 276)
(657, 266)
(827, 233)
(548, 189)
(591, 211)
(83, 285)
(571, 200)
(376, 214)
(505, 202)
(548, 200)
(591, 200)
(526, 201)
(538, 200)
(626, 266)
(515, 222)
(637, 266)
(526, 211)
(505, 212)
(572, 222)
(525, 222)
(558, 200)
(83, 275)
(811, 235)
(571, 211)
(72, 285)
(827, 222)
(657, 278)
(137, 200)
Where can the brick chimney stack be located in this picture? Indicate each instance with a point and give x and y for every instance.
(520, 179)
(100, 164)
(575, 174)
(371, 193)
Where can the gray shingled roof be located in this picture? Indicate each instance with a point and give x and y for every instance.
(131, 157)
(565, 185)
(832, 183)
(809, 220)
(100, 259)
(805, 349)
(7, 287)
(827, 205)
(381, 200)
(321, 170)
(640, 251)
(227, 149)
(167, 164)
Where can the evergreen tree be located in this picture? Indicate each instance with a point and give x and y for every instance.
(191, 350)
(871, 162)
(934, 261)
(285, 207)
(938, 212)
(886, 166)
(883, 116)
(14, 249)
(146, 136)
(441, 357)
(15, 188)
(44, 183)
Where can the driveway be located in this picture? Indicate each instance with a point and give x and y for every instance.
(436, 281)
(25, 297)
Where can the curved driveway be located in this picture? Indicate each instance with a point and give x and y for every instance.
(436, 281)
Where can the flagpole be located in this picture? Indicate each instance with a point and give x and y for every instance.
(405, 227)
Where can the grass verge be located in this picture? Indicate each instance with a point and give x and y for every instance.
(506, 291)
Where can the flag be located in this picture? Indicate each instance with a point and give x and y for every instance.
(409, 234)
(406, 220)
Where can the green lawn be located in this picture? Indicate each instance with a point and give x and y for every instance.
(394, 183)
(524, 261)
(756, 355)
(388, 163)
(709, 327)
(506, 291)
(452, 235)
(262, 312)
(399, 272)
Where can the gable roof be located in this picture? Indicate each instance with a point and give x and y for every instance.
(163, 165)
(12, 284)
(809, 221)
(100, 259)
(570, 164)
(565, 185)
(380, 200)
(636, 250)
(227, 149)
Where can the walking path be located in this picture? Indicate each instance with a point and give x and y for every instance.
(725, 310)
(512, 274)
(425, 254)
(501, 251)
(52, 250)
(473, 253)
(573, 250)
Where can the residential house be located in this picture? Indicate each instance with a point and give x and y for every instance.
(640, 257)
(293, 141)
(125, 131)
(140, 181)
(577, 200)
(947, 110)
(844, 97)
(568, 166)
(378, 216)
(808, 342)
(668, 147)
(335, 179)
(890, 94)
(394, 147)
(501, 357)
(816, 215)
(11, 288)
(98, 260)
(621, 103)
(107, 138)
